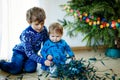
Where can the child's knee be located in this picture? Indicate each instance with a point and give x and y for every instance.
(30, 66)
(30, 69)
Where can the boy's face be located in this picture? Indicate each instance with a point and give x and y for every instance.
(55, 37)
(37, 26)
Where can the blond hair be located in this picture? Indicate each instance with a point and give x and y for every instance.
(56, 27)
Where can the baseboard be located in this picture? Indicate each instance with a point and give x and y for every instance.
(81, 48)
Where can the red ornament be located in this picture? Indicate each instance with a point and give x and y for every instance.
(98, 18)
(87, 20)
(113, 24)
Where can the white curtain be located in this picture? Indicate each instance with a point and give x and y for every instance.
(4, 29)
(12, 23)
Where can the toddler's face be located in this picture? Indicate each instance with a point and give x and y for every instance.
(55, 37)
(37, 26)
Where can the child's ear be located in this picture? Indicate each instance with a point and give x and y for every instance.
(29, 21)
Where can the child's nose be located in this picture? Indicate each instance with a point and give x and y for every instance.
(55, 39)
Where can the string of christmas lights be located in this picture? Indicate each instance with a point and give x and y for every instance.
(91, 20)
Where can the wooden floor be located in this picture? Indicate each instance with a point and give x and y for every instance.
(112, 66)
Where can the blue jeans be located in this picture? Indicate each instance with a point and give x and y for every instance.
(18, 64)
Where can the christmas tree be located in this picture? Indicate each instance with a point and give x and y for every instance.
(99, 20)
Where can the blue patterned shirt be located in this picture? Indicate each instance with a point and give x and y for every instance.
(58, 50)
(31, 43)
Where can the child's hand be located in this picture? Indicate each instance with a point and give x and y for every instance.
(73, 58)
(49, 57)
(47, 63)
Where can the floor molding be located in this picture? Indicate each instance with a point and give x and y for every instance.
(81, 48)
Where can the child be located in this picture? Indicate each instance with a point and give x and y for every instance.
(55, 49)
(25, 56)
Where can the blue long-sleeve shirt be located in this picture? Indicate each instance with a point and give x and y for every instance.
(58, 50)
(31, 43)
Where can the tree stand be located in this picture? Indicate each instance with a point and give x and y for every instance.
(113, 52)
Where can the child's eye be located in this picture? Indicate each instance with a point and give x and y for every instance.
(42, 23)
(36, 24)
(52, 36)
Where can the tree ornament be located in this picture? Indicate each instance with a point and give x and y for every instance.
(90, 23)
(94, 23)
(101, 26)
(80, 16)
(107, 24)
(87, 20)
(118, 20)
(98, 22)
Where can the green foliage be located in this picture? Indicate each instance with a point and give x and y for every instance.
(82, 70)
(107, 10)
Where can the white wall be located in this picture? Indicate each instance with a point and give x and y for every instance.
(55, 12)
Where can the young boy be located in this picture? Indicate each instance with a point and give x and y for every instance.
(55, 49)
(25, 57)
